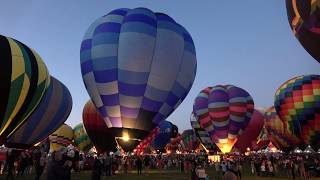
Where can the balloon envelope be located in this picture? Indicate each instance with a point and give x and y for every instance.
(224, 111)
(297, 103)
(251, 133)
(279, 135)
(61, 138)
(81, 138)
(166, 131)
(50, 114)
(174, 144)
(202, 135)
(190, 140)
(304, 19)
(262, 140)
(97, 130)
(24, 79)
(137, 66)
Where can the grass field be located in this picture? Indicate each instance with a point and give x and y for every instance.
(170, 174)
(158, 175)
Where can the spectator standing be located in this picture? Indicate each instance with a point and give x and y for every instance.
(139, 165)
(97, 168)
(55, 167)
(41, 165)
(10, 165)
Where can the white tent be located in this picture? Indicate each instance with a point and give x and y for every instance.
(297, 150)
(271, 148)
(309, 150)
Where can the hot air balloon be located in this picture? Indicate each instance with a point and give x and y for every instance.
(50, 114)
(251, 133)
(145, 143)
(81, 138)
(304, 19)
(224, 112)
(24, 79)
(297, 103)
(202, 135)
(174, 144)
(137, 66)
(262, 140)
(97, 130)
(190, 140)
(278, 134)
(166, 131)
(158, 138)
(61, 138)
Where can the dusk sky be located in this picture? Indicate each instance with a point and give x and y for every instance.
(246, 43)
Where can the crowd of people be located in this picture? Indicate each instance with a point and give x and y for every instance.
(23, 163)
(111, 164)
(59, 165)
(295, 166)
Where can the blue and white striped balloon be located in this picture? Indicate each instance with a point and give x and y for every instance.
(137, 66)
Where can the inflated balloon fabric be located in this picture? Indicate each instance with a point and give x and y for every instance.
(297, 103)
(224, 111)
(51, 113)
(304, 19)
(137, 66)
(24, 79)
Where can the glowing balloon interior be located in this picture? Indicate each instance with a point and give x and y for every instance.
(224, 112)
(137, 66)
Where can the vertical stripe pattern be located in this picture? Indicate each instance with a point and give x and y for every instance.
(51, 113)
(137, 66)
(24, 78)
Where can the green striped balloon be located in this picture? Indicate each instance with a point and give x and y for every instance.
(81, 138)
(24, 79)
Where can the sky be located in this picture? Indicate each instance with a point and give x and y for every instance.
(246, 43)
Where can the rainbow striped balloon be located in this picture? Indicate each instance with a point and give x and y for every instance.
(224, 111)
(297, 103)
(278, 134)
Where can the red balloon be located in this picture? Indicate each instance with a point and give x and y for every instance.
(174, 143)
(97, 130)
(251, 133)
(146, 141)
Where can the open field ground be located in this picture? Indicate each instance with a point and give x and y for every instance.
(160, 175)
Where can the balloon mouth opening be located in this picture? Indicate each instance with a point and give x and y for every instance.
(126, 137)
(127, 143)
(226, 147)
